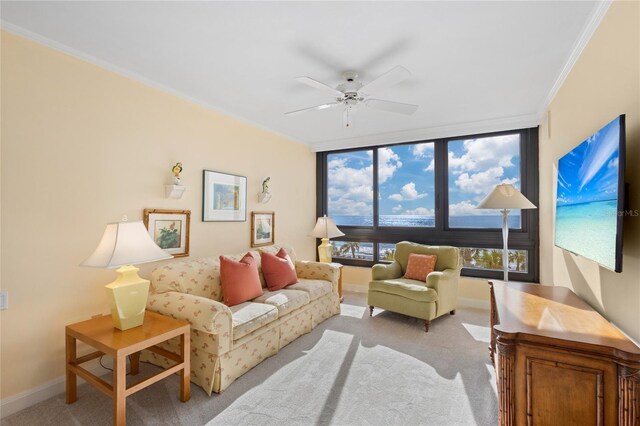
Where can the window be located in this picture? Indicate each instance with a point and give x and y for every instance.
(350, 188)
(475, 167)
(425, 192)
(406, 185)
(491, 259)
(353, 250)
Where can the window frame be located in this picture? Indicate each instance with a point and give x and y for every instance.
(525, 238)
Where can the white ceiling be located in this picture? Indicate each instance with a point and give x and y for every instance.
(477, 66)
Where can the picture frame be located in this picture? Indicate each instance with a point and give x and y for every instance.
(224, 197)
(263, 228)
(169, 229)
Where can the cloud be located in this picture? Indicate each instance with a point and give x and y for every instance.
(483, 153)
(597, 154)
(422, 150)
(467, 208)
(350, 189)
(482, 182)
(408, 192)
(420, 211)
(431, 167)
(388, 163)
(397, 208)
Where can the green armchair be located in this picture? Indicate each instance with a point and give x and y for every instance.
(389, 289)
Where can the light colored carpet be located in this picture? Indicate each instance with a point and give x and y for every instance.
(350, 370)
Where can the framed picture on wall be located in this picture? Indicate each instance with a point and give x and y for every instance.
(263, 228)
(224, 197)
(169, 229)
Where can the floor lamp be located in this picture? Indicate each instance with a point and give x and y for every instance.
(504, 196)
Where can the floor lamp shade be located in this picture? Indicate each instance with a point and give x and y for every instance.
(123, 245)
(325, 229)
(505, 196)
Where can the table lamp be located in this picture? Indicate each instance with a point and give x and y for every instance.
(505, 196)
(123, 245)
(325, 228)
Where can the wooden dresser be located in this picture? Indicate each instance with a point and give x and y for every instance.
(559, 362)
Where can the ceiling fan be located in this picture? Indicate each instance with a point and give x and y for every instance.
(351, 93)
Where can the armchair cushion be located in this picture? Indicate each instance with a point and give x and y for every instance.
(419, 266)
(448, 257)
(411, 289)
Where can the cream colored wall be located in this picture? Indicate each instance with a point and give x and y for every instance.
(475, 289)
(604, 83)
(82, 146)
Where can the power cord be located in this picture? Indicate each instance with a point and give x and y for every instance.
(111, 369)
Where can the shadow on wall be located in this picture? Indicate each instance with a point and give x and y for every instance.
(579, 283)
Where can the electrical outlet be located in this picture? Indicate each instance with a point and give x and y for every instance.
(4, 300)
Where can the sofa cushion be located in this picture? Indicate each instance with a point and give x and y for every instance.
(200, 277)
(276, 249)
(419, 266)
(248, 316)
(284, 300)
(411, 289)
(315, 288)
(278, 270)
(240, 281)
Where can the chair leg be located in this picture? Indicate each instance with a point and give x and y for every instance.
(370, 310)
(452, 312)
(427, 323)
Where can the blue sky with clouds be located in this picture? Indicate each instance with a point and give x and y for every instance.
(406, 177)
(589, 172)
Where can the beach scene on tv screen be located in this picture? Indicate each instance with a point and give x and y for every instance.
(587, 197)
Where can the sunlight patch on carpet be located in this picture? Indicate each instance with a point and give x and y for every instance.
(479, 333)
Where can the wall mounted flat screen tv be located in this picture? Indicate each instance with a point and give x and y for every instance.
(590, 197)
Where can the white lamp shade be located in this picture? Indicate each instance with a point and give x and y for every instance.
(326, 228)
(505, 196)
(125, 243)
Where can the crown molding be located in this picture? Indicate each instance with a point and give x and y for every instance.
(428, 133)
(597, 14)
(78, 54)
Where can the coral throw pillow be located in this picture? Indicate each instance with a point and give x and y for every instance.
(278, 270)
(240, 280)
(420, 265)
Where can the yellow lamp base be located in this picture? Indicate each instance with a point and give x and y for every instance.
(325, 251)
(128, 298)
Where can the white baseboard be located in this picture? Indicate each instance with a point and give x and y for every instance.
(14, 403)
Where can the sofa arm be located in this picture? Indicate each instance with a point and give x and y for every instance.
(383, 271)
(445, 283)
(318, 271)
(210, 320)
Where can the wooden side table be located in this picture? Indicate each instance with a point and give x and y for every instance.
(100, 333)
(340, 266)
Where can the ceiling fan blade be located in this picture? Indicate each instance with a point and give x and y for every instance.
(320, 86)
(388, 79)
(313, 108)
(397, 107)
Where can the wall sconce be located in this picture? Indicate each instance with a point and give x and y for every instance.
(264, 196)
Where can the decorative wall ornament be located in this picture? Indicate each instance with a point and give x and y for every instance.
(264, 196)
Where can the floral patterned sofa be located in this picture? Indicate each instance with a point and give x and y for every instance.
(226, 342)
